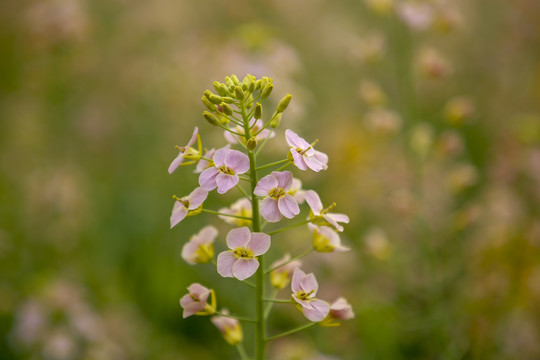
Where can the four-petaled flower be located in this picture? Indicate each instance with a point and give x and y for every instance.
(255, 127)
(242, 207)
(185, 152)
(277, 201)
(304, 288)
(187, 205)
(240, 261)
(224, 174)
(321, 215)
(200, 249)
(280, 277)
(230, 328)
(196, 301)
(339, 310)
(304, 155)
(325, 239)
(206, 160)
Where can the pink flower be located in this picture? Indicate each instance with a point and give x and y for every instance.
(230, 328)
(187, 205)
(304, 155)
(204, 164)
(184, 151)
(296, 191)
(200, 248)
(242, 207)
(196, 301)
(255, 127)
(341, 310)
(304, 288)
(280, 277)
(224, 174)
(325, 239)
(319, 213)
(277, 201)
(240, 261)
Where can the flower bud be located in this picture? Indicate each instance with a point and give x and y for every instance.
(284, 103)
(276, 120)
(229, 82)
(245, 87)
(251, 144)
(211, 118)
(214, 98)
(239, 93)
(257, 114)
(267, 91)
(208, 103)
(235, 79)
(227, 99)
(226, 108)
(220, 88)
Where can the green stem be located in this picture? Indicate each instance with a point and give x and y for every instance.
(272, 164)
(287, 228)
(263, 143)
(222, 214)
(242, 351)
(284, 166)
(280, 301)
(243, 192)
(241, 318)
(300, 328)
(269, 305)
(290, 260)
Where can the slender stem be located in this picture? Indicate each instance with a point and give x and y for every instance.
(280, 301)
(269, 305)
(284, 166)
(300, 328)
(241, 318)
(243, 192)
(288, 227)
(290, 260)
(272, 164)
(242, 351)
(263, 143)
(223, 214)
(229, 130)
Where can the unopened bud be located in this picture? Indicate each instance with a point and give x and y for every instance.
(208, 103)
(276, 120)
(211, 118)
(239, 93)
(235, 79)
(267, 91)
(228, 81)
(226, 108)
(214, 98)
(251, 144)
(219, 88)
(257, 114)
(284, 103)
(245, 87)
(228, 100)
(258, 84)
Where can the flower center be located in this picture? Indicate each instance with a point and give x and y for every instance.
(276, 192)
(226, 170)
(242, 252)
(302, 295)
(184, 201)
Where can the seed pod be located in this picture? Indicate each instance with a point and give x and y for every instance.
(276, 120)
(226, 108)
(257, 114)
(267, 91)
(251, 144)
(284, 103)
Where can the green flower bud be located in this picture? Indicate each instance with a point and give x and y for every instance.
(208, 103)
(228, 100)
(211, 118)
(257, 114)
(276, 120)
(229, 82)
(258, 84)
(226, 108)
(267, 91)
(235, 79)
(245, 87)
(251, 144)
(239, 93)
(251, 87)
(284, 103)
(218, 86)
(215, 99)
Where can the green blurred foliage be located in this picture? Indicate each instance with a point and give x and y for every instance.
(429, 111)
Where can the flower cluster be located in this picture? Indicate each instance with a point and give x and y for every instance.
(276, 196)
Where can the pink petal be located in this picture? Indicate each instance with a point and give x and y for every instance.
(176, 162)
(219, 157)
(342, 218)
(188, 250)
(260, 243)
(294, 140)
(309, 283)
(298, 160)
(239, 237)
(199, 291)
(193, 137)
(264, 185)
(322, 158)
(314, 201)
(186, 300)
(270, 210)
(237, 161)
(284, 179)
(229, 137)
(319, 310)
(197, 197)
(178, 214)
(303, 303)
(207, 179)
(313, 163)
(225, 261)
(288, 206)
(332, 220)
(206, 235)
(298, 275)
(244, 268)
(226, 182)
(191, 309)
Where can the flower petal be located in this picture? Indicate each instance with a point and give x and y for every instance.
(192, 308)
(259, 244)
(188, 252)
(298, 275)
(219, 157)
(178, 214)
(314, 201)
(322, 158)
(207, 179)
(229, 137)
(225, 261)
(199, 291)
(284, 179)
(270, 210)
(244, 268)
(294, 140)
(226, 182)
(176, 162)
(342, 218)
(197, 197)
(238, 161)
(193, 137)
(298, 160)
(239, 237)
(264, 185)
(206, 235)
(308, 283)
(313, 163)
(288, 206)
(319, 310)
